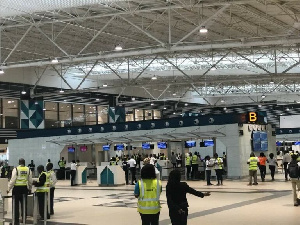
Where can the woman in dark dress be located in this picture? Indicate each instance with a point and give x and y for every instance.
(176, 198)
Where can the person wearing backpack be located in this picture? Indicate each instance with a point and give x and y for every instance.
(294, 173)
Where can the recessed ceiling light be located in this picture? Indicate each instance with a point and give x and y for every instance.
(61, 91)
(222, 100)
(287, 109)
(154, 77)
(271, 82)
(23, 92)
(263, 96)
(54, 61)
(118, 48)
(1, 71)
(36, 103)
(174, 94)
(104, 85)
(44, 109)
(133, 98)
(225, 108)
(174, 113)
(97, 99)
(186, 104)
(259, 106)
(152, 103)
(65, 100)
(165, 108)
(203, 30)
(213, 68)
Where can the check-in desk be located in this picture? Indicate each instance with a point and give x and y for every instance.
(110, 175)
(81, 175)
(166, 166)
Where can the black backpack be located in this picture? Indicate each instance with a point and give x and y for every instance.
(294, 169)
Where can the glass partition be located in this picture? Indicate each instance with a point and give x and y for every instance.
(90, 115)
(51, 115)
(102, 114)
(65, 114)
(11, 118)
(78, 115)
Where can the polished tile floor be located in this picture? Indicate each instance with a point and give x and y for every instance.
(233, 203)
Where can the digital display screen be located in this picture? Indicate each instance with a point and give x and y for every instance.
(145, 146)
(83, 148)
(190, 144)
(71, 149)
(162, 145)
(208, 143)
(119, 147)
(260, 141)
(106, 147)
(278, 143)
(297, 143)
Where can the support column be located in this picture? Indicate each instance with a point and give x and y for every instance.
(169, 150)
(215, 146)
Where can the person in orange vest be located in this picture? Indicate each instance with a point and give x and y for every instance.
(262, 166)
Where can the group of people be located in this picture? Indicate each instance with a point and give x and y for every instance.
(148, 191)
(21, 185)
(176, 160)
(291, 163)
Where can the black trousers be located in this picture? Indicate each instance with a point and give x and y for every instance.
(41, 200)
(286, 171)
(126, 176)
(62, 174)
(208, 175)
(178, 219)
(272, 168)
(18, 193)
(73, 175)
(132, 171)
(263, 171)
(51, 200)
(188, 171)
(150, 219)
(219, 173)
(194, 170)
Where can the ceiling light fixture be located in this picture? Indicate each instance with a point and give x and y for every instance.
(118, 47)
(186, 104)
(152, 103)
(54, 61)
(23, 92)
(263, 96)
(1, 71)
(165, 107)
(174, 94)
(154, 78)
(133, 98)
(203, 30)
(225, 108)
(61, 91)
(287, 109)
(97, 99)
(222, 100)
(271, 82)
(213, 68)
(259, 106)
(104, 85)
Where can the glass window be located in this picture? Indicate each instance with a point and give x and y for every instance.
(157, 114)
(90, 115)
(65, 115)
(11, 113)
(102, 114)
(148, 114)
(78, 115)
(129, 115)
(51, 115)
(139, 115)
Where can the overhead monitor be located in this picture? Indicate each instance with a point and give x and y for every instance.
(208, 143)
(119, 147)
(162, 145)
(145, 145)
(83, 148)
(106, 147)
(190, 144)
(71, 149)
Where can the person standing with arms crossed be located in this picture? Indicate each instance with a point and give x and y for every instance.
(21, 183)
(53, 181)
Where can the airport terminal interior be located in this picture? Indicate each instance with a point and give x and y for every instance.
(185, 85)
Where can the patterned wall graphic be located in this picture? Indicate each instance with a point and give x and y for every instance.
(32, 114)
(116, 114)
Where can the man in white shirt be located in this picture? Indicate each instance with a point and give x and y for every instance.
(132, 167)
(73, 172)
(21, 183)
(286, 159)
(53, 181)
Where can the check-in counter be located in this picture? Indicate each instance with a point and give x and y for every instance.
(110, 175)
(81, 175)
(166, 166)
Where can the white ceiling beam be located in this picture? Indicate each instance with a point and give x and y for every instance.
(161, 51)
(86, 75)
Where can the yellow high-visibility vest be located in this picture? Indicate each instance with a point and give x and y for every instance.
(46, 186)
(22, 176)
(148, 201)
(253, 163)
(188, 161)
(194, 159)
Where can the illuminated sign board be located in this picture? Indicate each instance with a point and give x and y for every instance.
(252, 117)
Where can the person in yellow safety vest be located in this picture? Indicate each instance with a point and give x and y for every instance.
(21, 183)
(188, 165)
(53, 181)
(148, 191)
(62, 168)
(194, 165)
(117, 158)
(219, 169)
(113, 161)
(253, 162)
(42, 189)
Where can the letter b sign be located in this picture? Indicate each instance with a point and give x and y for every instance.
(252, 117)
